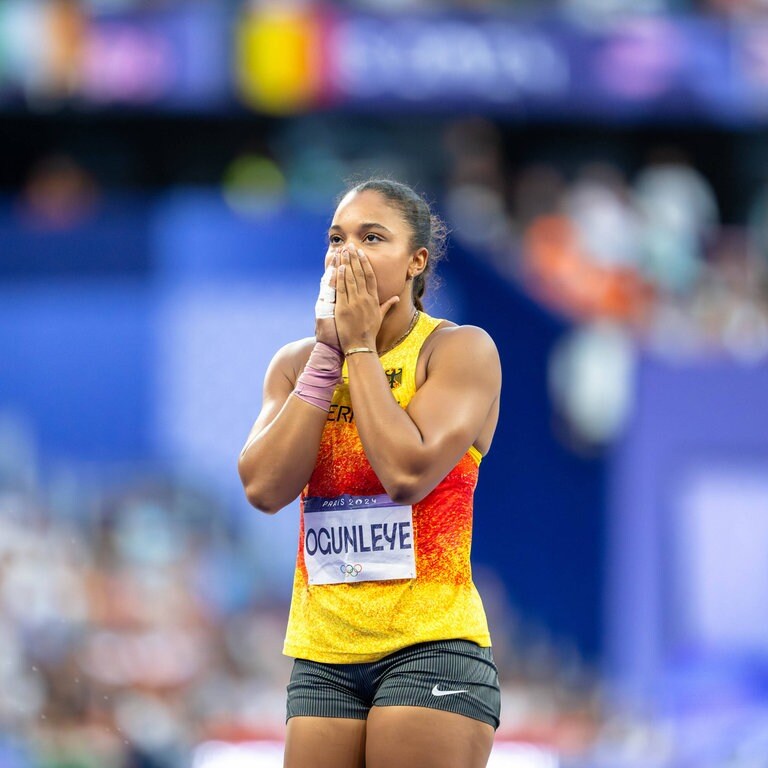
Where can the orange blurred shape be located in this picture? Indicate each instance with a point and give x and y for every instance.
(279, 58)
(564, 277)
(67, 28)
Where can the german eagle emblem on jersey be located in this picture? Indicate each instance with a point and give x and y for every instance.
(395, 377)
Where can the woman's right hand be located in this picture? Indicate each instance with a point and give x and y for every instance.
(325, 322)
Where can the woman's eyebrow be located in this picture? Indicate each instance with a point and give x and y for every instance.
(363, 225)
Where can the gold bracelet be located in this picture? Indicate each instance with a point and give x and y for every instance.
(355, 350)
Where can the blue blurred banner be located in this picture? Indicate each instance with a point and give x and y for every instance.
(633, 68)
(217, 59)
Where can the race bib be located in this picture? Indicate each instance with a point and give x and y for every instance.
(357, 538)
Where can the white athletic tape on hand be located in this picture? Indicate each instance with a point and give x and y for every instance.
(326, 300)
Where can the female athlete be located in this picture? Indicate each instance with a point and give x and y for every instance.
(379, 423)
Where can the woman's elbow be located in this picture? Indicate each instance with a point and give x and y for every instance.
(406, 490)
(255, 491)
(261, 501)
(258, 496)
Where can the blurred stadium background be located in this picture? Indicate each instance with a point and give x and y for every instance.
(167, 171)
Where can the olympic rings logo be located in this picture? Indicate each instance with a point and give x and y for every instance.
(351, 570)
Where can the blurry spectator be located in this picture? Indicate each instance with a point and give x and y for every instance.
(679, 212)
(730, 307)
(582, 259)
(757, 227)
(538, 190)
(606, 224)
(475, 200)
(59, 193)
(590, 380)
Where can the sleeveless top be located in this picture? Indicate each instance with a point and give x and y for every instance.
(362, 621)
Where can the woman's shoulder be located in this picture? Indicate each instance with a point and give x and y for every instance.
(452, 335)
(462, 344)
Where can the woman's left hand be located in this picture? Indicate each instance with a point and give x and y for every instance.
(358, 312)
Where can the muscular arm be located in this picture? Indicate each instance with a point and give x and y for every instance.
(281, 450)
(412, 450)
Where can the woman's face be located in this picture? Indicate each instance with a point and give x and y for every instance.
(369, 221)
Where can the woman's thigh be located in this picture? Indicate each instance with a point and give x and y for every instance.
(325, 742)
(427, 738)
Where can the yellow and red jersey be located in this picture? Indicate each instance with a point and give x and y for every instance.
(363, 621)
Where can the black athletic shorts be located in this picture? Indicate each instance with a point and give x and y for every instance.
(452, 675)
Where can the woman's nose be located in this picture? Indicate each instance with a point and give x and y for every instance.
(353, 245)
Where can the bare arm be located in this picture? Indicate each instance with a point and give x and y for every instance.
(281, 449)
(412, 450)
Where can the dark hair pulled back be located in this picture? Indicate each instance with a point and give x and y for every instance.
(427, 229)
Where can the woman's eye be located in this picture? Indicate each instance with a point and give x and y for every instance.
(372, 238)
(334, 239)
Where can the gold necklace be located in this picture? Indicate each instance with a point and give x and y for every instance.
(411, 326)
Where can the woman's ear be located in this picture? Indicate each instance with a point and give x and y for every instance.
(418, 263)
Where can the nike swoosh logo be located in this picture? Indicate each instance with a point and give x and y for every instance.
(437, 692)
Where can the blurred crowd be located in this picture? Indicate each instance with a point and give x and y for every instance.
(131, 629)
(647, 251)
(635, 258)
